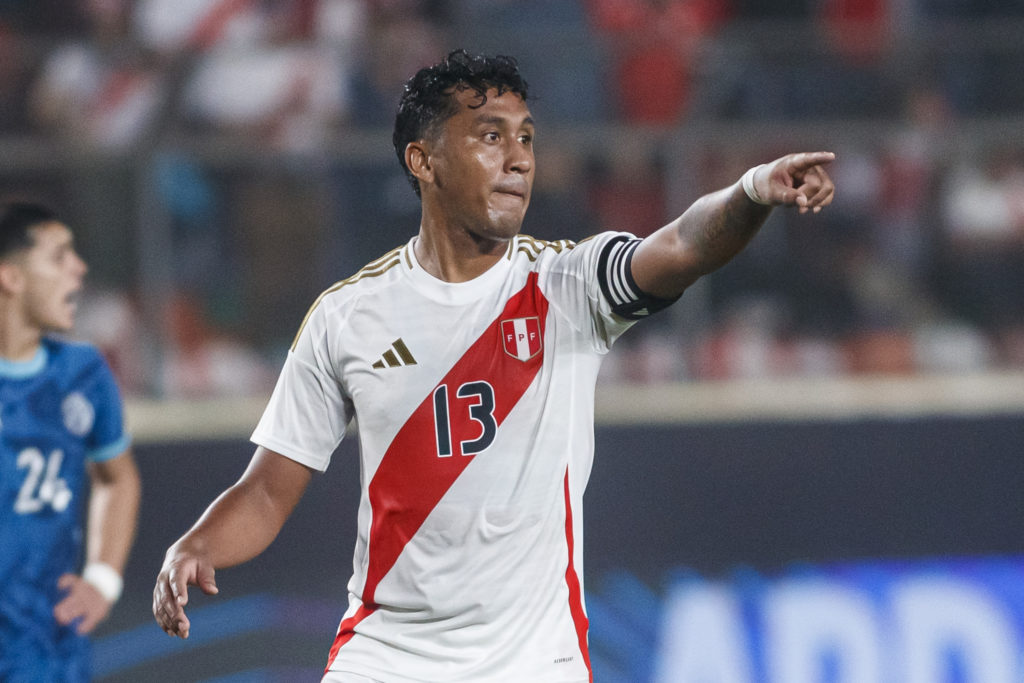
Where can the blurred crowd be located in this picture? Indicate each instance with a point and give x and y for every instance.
(251, 136)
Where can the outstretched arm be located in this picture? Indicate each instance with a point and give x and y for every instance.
(719, 225)
(237, 527)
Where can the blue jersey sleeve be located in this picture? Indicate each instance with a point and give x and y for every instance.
(108, 438)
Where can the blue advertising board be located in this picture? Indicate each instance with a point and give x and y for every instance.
(921, 621)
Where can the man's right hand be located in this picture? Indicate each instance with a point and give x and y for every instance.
(181, 569)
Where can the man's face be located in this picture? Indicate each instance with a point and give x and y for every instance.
(51, 278)
(483, 165)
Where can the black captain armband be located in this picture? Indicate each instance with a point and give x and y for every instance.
(615, 275)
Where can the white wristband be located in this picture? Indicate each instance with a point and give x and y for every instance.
(104, 579)
(748, 186)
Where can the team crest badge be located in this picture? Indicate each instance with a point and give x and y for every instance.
(521, 337)
(79, 414)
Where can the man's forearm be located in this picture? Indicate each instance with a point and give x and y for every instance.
(247, 517)
(112, 520)
(239, 525)
(113, 514)
(719, 225)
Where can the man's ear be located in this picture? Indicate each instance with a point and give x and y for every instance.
(11, 277)
(417, 160)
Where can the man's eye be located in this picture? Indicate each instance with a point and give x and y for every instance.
(492, 136)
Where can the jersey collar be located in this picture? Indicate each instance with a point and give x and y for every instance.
(453, 292)
(13, 369)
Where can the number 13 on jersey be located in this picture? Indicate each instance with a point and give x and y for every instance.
(468, 419)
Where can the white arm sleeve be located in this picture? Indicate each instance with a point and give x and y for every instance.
(308, 412)
(594, 281)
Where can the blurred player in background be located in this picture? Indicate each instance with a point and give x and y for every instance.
(470, 357)
(62, 442)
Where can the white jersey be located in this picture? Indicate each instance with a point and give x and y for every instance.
(475, 406)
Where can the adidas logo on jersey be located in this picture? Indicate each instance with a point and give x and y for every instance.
(395, 357)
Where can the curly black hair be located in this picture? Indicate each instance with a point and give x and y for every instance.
(427, 100)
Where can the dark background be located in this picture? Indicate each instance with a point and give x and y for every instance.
(708, 498)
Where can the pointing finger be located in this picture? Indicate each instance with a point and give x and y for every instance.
(805, 160)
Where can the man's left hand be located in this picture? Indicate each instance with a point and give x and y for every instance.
(82, 602)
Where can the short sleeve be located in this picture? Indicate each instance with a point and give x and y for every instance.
(308, 411)
(592, 285)
(107, 439)
(615, 275)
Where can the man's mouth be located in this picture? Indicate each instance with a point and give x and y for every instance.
(512, 188)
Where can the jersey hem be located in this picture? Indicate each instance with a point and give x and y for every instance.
(307, 459)
(110, 451)
(378, 675)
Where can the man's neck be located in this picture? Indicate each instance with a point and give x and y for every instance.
(456, 258)
(18, 342)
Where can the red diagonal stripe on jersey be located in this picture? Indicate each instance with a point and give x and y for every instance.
(579, 615)
(411, 478)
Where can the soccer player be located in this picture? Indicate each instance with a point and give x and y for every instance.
(62, 442)
(469, 357)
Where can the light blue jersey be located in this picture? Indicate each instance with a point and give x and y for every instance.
(57, 412)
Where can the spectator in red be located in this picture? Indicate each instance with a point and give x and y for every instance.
(858, 30)
(654, 45)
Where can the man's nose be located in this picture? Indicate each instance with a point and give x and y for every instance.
(80, 266)
(520, 159)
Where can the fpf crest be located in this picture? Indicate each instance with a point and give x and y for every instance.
(521, 337)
